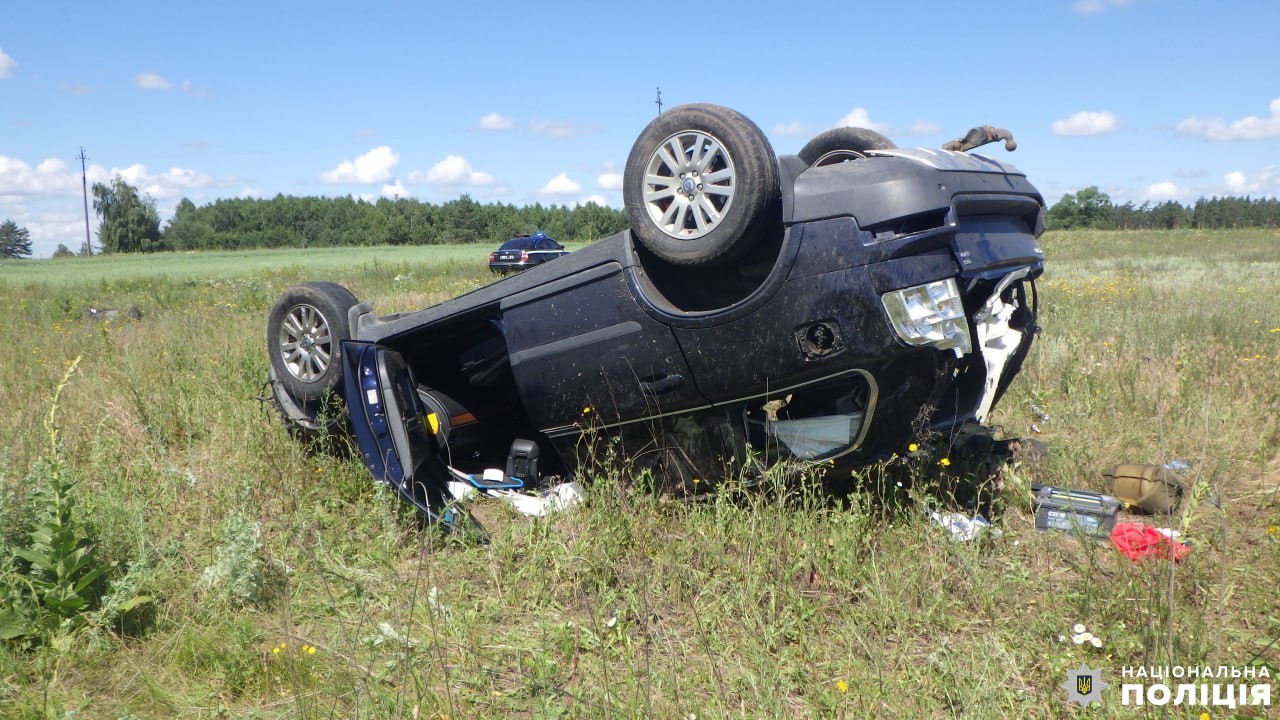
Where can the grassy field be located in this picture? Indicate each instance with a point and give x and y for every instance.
(247, 578)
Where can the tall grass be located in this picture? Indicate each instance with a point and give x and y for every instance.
(286, 585)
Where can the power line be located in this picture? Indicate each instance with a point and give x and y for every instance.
(84, 186)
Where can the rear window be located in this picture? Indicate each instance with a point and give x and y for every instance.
(522, 243)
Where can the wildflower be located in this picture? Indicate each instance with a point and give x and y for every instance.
(945, 462)
(913, 447)
(842, 686)
(1273, 530)
(586, 410)
(1078, 628)
(275, 651)
(311, 650)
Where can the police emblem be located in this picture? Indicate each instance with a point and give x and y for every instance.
(1084, 685)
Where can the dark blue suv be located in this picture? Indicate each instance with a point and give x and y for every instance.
(830, 306)
(524, 251)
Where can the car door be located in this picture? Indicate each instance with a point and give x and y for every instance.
(387, 420)
(583, 352)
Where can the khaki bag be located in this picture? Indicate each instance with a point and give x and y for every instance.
(1153, 488)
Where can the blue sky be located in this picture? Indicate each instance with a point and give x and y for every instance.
(539, 102)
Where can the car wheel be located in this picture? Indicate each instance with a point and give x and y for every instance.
(699, 182)
(843, 144)
(303, 334)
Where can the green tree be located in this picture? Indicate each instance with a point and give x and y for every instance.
(129, 221)
(1089, 208)
(63, 252)
(15, 242)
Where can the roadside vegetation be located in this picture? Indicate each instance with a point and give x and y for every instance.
(170, 551)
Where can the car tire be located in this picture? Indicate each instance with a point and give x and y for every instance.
(699, 183)
(842, 144)
(304, 332)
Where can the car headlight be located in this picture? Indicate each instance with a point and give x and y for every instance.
(931, 314)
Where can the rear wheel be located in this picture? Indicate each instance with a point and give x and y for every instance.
(843, 144)
(699, 183)
(304, 332)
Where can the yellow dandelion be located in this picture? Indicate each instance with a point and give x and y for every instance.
(311, 650)
(1273, 530)
(586, 410)
(275, 651)
(945, 462)
(913, 447)
(842, 686)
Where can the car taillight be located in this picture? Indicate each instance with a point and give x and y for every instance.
(493, 257)
(931, 314)
(524, 256)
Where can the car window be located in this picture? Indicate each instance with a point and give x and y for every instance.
(518, 244)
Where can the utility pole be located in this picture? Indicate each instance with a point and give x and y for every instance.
(84, 186)
(659, 101)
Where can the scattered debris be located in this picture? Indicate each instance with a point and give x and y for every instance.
(1138, 541)
(544, 502)
(961, 527)
(1076, 511)
(539, 503)
(1150, 488)
(131, 312)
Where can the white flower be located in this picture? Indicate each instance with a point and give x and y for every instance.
(1078, 628)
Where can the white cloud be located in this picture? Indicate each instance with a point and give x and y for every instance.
(1086, 123)
(54, 177)
(1095, 7)
(1248, 128)
(376, 166)
(249, 193)
(790, 129)
(560, 186)
(555, 129)
(453, 171)
(1162, 191)
(858, 117)
(151, 81)
(495, 121)
(923, 127)
(7, 64)
(610, 181)
(395, 190)
(1239, 183)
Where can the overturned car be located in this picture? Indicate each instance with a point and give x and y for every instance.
(829, 305)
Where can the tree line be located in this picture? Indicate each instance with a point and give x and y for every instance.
(129, 222)
(1092, 208)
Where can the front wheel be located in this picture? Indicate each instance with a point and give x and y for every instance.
(699, 184)
(841, 145)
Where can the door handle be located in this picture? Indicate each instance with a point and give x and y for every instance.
(659, 384)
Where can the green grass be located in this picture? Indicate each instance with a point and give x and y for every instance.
(325, 599)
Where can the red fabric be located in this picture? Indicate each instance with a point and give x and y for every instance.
(1139, 541)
